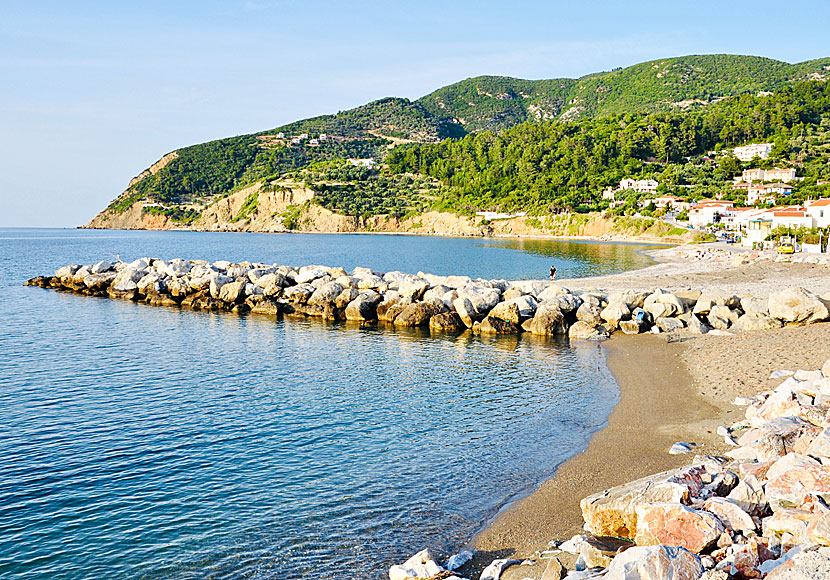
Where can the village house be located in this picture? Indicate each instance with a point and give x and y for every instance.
(777, 174)
(819, 210)
(362, 162)
(280, 135)
(671, 201)
(641, 185)
(766, 192)
(708, 211)
(749, 152)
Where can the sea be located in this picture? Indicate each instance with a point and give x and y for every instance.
(144, 442)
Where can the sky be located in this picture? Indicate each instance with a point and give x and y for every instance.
(92, 93)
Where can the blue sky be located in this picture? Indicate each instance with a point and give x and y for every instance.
(94, 92)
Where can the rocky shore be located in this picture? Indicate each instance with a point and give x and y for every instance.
(753, 507)
(443, 303)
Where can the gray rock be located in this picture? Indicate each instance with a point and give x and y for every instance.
(308, 273)
(584, 331)
(654, 563)
(752, 305)
(328, 292)
(388, 310)
(710, 298)
(68, 271)
(614, 313)
(345, 297)
(492, 325)
(233, 291)
(417, 314)
(797, 306)
(694, 324)
(267, 306)
(360, 309)
(721, 317)
(508, 311)
(663, 305)
(101, 267)
(755, 321)
(446, 322)
(216, 283)
(465, 310)
(548, 321)
(298, 294)
(590, 313)
(481, 299)
(669, 324)
(633, 326)
(809, 564)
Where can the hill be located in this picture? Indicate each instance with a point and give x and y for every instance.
(310, 155)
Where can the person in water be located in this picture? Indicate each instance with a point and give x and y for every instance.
(552, 273)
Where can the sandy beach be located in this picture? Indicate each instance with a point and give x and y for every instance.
(670, 391)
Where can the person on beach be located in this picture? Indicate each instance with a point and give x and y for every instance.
(552, 272)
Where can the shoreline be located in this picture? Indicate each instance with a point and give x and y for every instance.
(635, 442)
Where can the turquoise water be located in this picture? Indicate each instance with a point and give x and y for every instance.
(142, 442)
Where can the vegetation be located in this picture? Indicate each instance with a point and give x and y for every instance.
(558, 166)
(177, 214)
(548, 145)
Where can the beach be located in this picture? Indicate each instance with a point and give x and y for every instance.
(670, 390)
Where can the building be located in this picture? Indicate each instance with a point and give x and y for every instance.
(783, 175)
(280, 135)
(669, 201)
(708, 211)
(819, 210)
(791, 217)
(313, 142)
(766, 192)
(641, 185)
(609, 193)
(362, 162)
(749, 152)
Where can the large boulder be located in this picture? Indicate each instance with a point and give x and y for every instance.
(721, 317)
(584, 331)
(613, 512)
(309, 273)
(421, 565)
(267, 306)
(233, 291)
(508, 311)
(654, 563)
(412, 287)
(614, 313)
(662, 304)
(388, 310)
(669, 324)
(731, 515)
(789, 489)
(482, 300)
(710, 298)
(796, 306)
(755, 321)
(630, 298)
(417, 314)
(676, 525)
(446, 322)
(216, 283)
(465, 310)
(589, 312)
(360, 309)
(492, 325)
(777, 436)
(298, 294)
(328, 292)
(809, 564)
(548, 321)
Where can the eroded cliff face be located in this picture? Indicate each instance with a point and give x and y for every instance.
(290, 207)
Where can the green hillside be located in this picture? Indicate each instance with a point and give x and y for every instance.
(200, 174)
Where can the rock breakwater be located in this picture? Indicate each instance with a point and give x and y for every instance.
(442, 303)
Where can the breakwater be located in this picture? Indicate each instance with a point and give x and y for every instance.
(443, 303)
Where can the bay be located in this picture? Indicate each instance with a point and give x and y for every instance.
(142, 442)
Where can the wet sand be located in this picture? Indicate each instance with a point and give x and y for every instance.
(658, 406)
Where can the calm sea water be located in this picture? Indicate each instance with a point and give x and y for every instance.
(142, 442)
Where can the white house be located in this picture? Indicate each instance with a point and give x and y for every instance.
(819, 210)
(369, 162)
(749, 152)
(641, 185)
(708, 211)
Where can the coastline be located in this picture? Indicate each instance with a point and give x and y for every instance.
(657, 407)
(669, 391)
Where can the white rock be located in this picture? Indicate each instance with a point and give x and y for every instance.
(681, 447)
(496, 567)
(459, 559)
(421, 565)
(781, 374)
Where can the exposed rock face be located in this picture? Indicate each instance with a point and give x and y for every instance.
(673, 524)
(797, 306)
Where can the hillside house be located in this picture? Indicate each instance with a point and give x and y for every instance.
(749, 152)
(641, 185)
(777, 174)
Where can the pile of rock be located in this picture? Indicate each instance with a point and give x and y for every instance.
(444, 303)
(760, 512)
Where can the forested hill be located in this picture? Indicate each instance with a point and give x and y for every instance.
(496, 103)
(195, 177)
